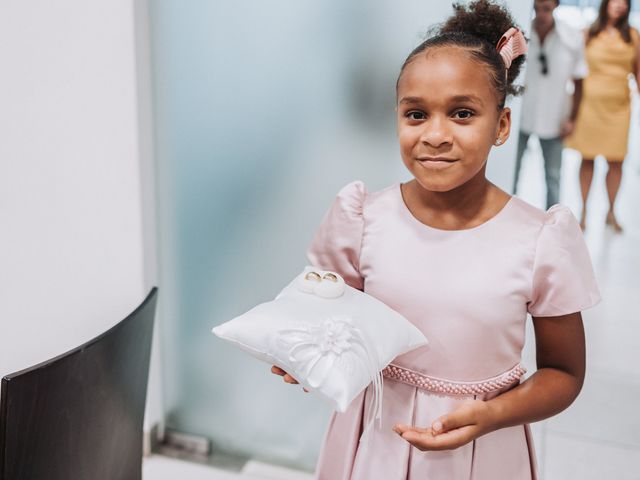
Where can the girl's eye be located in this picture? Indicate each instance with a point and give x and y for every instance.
(415, 115)
(463, 114)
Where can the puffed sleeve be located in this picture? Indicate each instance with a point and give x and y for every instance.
(563, 277)
(336, 244)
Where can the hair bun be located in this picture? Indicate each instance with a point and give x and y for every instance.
(478, 27)
(487, 21)
(481, 18)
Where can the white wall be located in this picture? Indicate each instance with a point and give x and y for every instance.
(72, 261)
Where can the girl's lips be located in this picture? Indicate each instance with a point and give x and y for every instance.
(436, 163)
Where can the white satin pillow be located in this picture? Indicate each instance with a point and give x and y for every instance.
(332, 338)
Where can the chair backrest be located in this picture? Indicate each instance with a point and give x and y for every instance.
(80, 415)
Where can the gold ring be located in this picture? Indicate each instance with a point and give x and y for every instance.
(330, 276)
(315, 276)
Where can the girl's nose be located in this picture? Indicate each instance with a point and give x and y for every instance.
(435, 133)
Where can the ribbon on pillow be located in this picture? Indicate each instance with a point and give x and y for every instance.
(314, 349)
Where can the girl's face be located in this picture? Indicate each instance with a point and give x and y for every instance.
(616, 9)
(448, 118)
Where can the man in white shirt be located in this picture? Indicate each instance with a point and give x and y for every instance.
(555, 60)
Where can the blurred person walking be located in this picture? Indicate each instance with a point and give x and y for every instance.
(556, 58)
(602, 126)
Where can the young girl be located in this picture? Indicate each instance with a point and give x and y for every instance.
(465, 262)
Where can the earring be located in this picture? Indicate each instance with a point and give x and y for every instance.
(499, 141)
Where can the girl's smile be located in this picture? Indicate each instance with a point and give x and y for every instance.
(436, 163)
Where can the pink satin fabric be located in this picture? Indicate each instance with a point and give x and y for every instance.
(469, 291)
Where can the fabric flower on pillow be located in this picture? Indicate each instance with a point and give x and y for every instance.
(313, 349)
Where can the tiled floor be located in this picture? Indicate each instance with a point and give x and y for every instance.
(599, 436)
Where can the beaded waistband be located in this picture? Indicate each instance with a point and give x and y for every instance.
(446, 387)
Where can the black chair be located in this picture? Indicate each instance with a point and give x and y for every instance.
(80, 415)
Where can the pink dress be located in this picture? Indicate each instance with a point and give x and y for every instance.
(469, 291)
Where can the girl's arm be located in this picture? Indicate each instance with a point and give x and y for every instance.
(560, 358)
(560, 355)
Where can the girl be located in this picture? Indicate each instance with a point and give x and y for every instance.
(465, 262)
(602, 128)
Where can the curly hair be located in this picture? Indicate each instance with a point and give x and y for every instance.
(477, 27)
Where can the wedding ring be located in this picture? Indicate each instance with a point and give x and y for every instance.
(313, 276)
(307, 282)
(332, 287)
(323, 283)
(330, 276)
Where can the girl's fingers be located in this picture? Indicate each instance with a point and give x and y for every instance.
(451, 421)
(287, 378)
(444, 441)
(467, 414)
(400, 428)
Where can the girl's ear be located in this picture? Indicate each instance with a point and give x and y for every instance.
(504, 126)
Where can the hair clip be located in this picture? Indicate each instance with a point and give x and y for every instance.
(511, 45)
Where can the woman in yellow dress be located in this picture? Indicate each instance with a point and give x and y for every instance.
(602, 126)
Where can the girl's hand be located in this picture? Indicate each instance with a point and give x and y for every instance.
(285, 376)
(468, 422)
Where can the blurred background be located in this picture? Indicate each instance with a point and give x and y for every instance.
(195, 146)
